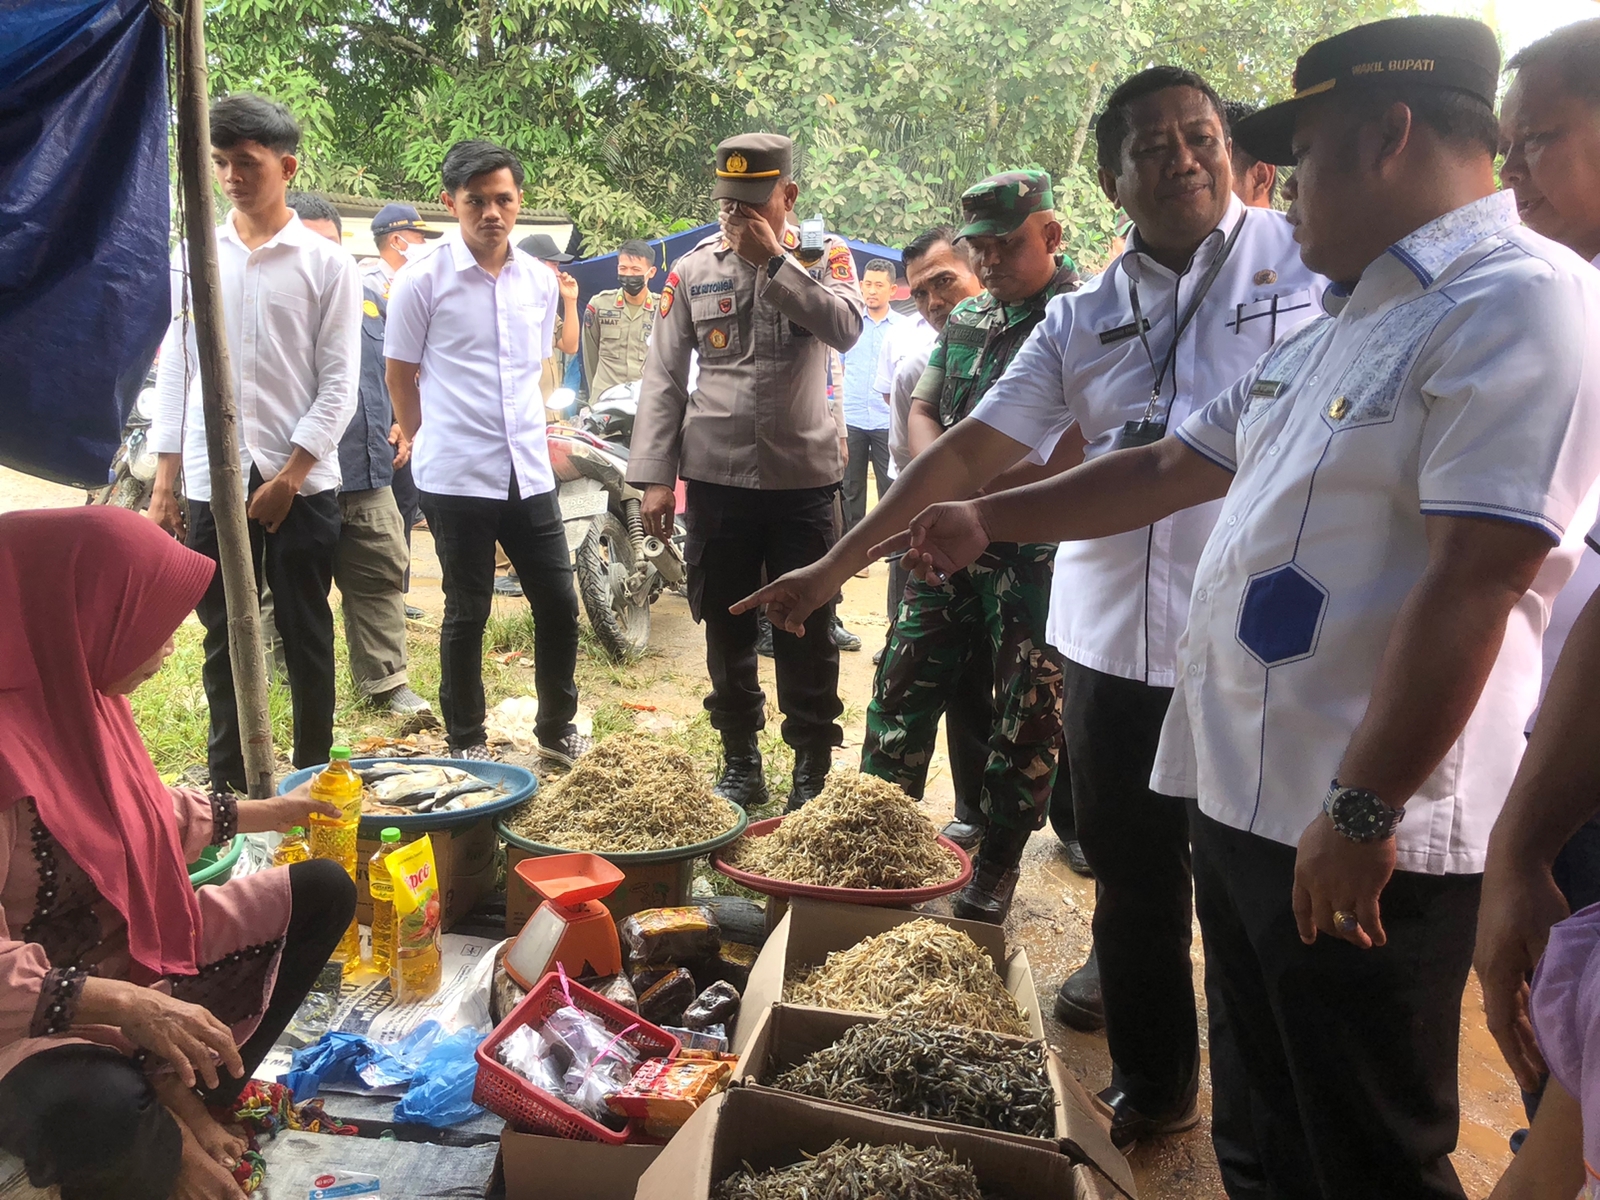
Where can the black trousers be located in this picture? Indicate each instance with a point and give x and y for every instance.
(86, 1118)
(465, 529)
(968, 718)
(1333, 1069)
(296, 562)
(1137, 844)
(731, 534)
(867, 447)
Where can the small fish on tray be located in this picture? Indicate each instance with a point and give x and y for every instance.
(399, 789)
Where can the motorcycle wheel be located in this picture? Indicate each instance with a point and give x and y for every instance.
(605, 563)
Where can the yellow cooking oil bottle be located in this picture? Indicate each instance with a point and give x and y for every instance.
(335, 838)
(382, 889)
(293, 849)
(413, 875)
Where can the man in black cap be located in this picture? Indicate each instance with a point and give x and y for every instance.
(1398, 483)
(758, 446)
(543, 247)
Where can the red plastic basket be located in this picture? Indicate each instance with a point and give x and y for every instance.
(532, 1109)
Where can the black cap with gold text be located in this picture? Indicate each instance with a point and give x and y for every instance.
(748, 166)
(1444, 52)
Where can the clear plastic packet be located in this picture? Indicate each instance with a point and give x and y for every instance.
(525, 1052)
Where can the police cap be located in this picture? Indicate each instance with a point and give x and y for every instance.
(748, 166)
(392, 218)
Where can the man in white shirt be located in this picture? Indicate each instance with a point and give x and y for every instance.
(470, 325)
(291, 303)
(1217, 284)
(1398, 484)
(866, 416)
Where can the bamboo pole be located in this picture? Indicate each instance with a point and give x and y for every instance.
(221, 416)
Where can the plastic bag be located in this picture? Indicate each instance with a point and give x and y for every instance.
(617, 989)
(662, 935)
(664, 1003)
(349, 1058)
(717, 1005)
(441, 1088)
(524, 1052)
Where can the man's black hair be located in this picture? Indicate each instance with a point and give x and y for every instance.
(247, 117)
(881, 264)
(1573, 51)
(926, 242)
(313, 207)
(638, 248)
(467, 159)
(1459, 119)
(1243, 160)
(1115, 121)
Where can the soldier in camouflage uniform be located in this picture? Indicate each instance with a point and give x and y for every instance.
(1003, 598)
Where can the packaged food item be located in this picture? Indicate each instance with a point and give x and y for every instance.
(615, 988)
(335, 837)
(663, 1004)
(646, 979)
(335, 1185)
(661, 935)
(381, 888)
(731, 965)
(717, 1005)
(415, 973)
(664, 1093)
(293, 849)
(700, 1041)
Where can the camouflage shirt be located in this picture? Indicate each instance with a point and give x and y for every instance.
(978, 343)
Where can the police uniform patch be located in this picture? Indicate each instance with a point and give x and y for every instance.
(370, 307)
(1265, 276)
(712, 288)
(718, 339)
(725, 305)
(668, 290)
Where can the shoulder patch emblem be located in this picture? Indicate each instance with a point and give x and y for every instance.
(370, 307)
(668, 290)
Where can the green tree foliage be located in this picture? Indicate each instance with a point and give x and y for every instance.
(895, 105)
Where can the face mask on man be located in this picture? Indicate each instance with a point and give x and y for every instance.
(632, 284)
(416, 250)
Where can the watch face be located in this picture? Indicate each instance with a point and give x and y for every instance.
(1361, 815)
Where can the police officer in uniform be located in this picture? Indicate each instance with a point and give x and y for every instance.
(617, 323)
(758, 447)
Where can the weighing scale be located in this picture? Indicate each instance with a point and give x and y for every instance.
(571, 927)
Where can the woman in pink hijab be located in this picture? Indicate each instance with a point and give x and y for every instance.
(129, 1001)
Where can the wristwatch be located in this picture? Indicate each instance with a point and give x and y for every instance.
(1360, 815)
(774, 265)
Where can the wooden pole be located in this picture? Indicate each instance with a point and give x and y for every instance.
(222, 418)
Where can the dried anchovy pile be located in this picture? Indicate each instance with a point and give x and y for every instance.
(630, 793)
(846, 1172)
(861, 832)
(922, 970)
(946, 1074)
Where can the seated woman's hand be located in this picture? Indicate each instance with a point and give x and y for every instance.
(282, 813)
(186, 1035)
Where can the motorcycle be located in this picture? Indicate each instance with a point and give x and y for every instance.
(133, 467)
(610, 417)
(620, 570)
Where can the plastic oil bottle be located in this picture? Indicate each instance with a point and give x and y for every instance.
(293, 849)
(335, 838)
(382, 890)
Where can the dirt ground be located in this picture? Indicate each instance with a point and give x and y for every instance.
(1053, 907)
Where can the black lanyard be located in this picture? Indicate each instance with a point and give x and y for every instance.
(1147, 429)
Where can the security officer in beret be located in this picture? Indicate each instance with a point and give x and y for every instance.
(757, 446)
(617, 323)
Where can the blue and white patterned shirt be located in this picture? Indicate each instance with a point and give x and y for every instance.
(1460, 377)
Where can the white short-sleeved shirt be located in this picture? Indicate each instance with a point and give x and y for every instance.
(1461, 377)
(482, 340)
(909, 342)
(1119, 604)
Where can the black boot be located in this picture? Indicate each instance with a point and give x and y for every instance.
(811, 765)
(1078, 1003)
(987, 896)
(966, 834)
(743, 781)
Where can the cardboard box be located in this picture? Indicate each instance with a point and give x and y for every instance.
(465, 858)
(771, 1129)
(537, 1167)
(644, 885)
(812, 929)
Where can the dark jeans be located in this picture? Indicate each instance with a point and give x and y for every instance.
(465, 529)
(1137, 844)
(968, 717)
(296, 562)
(1333, 1069)
(866, 445)
(86, 1118)
(731, 534)
(407, 499)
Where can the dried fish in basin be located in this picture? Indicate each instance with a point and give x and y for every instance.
(968, 1076)
(860, 832)
(854, 1172)
(630, 793)
(922, 970)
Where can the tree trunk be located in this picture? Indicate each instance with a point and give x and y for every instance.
(222, 420)
(1096, 83)
(485, 31)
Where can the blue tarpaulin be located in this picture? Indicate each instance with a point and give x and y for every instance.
(84, 214)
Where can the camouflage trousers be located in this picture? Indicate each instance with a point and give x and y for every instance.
(1003, 599)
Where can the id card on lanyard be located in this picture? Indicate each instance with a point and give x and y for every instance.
(1148, 428)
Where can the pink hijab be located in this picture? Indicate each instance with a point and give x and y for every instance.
(88, 595)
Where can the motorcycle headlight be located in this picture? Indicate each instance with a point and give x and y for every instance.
(141, 462)
(144, 406)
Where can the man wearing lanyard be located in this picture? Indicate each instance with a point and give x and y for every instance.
(1398, 484)
(1203, 289)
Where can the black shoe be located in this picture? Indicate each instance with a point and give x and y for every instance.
(507, 585)
(995, 871)
(743, 781)
(1129, 1125)
(413, 613)
(877, 655)
(1077, 861)
(842, 637)
(1078, 1003)
(811, 767)
(964, 834)
(764, 639)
